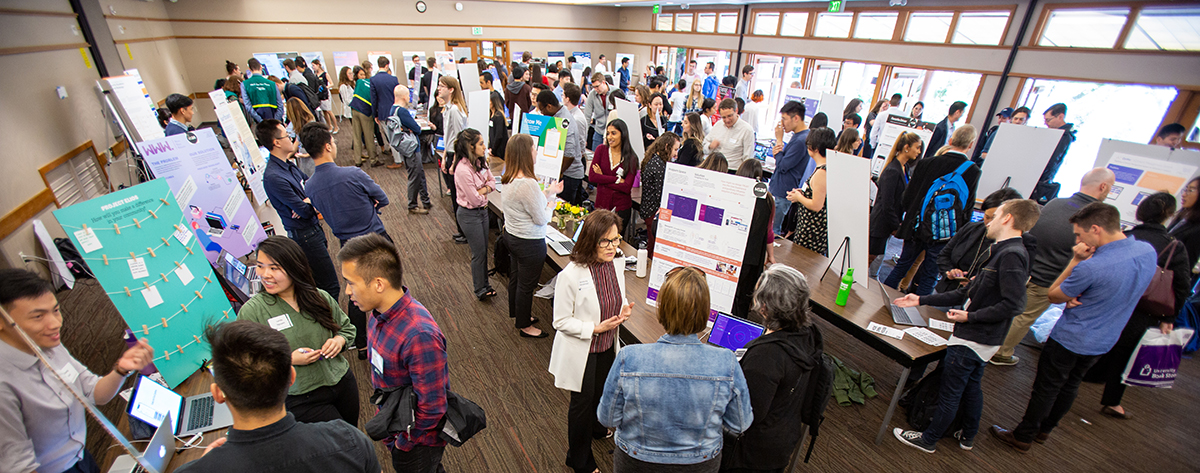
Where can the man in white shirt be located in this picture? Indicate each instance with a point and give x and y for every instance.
(602, 66)
(692, 75)
(732, 136)
(743, 88)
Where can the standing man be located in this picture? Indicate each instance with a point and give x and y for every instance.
(790, 160)
(407, 347)
(1107, 275)
(42, 425)
(623, 72)
(564, 77)
(1170, 136)
(416, 73)
(602, 66)
(711, 82)
(743, 88)
(182, 109)
(487, 82)
(1054, 241)
(1055, 117)
(417, 187)
(732, 136)
(323, 94)
(383, 86)
(348, 199)
(427, 84)
(944, 128)
(596, 109)
(572, 167)
(284, 183)
(1002, 117)
(252, 370)
(260, 96)
(1017, 117)
(516, 94)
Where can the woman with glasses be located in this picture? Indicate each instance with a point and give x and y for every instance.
(1185, 227)
(589, 305)
(315, 327)
(669, 401)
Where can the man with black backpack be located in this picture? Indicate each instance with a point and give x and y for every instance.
(992, 299)
(937, 201)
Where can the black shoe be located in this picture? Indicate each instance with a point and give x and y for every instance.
(362, 354)
(540, 335)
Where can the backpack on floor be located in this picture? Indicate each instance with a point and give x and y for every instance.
(945, 200)
(921, 403)
(75, 264)
(816, 398)
(499, 256)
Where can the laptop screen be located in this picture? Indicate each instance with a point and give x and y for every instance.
(152, 402)
(578, 228)
(733, 333)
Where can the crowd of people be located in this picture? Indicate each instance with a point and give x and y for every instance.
(675, 404)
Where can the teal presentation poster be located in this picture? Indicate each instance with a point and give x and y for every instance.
(137, 243)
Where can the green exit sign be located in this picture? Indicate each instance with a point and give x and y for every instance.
(657, 9)
(477, 30)
(836, 6)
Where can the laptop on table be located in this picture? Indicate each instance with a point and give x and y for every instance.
(902, 315)
(158, 453)
(152, 403)
(733, 333)
(559, 242)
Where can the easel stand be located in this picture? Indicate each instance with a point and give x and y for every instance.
(135, 152)
(845, 259)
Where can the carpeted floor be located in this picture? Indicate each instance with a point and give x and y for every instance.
(507, 376)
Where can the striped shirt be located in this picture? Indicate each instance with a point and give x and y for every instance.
(608, 292)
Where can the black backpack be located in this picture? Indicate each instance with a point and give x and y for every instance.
(500, 261)
(74, 260)
(816, 398)
(921, 402)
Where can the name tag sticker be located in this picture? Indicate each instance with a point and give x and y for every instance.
(69, 373)
(280, 322)
(585, 284)
(886, 331)
(377, 362)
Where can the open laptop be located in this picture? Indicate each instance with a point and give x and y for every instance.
(733, 333)
(902, 315)
(559, 242)
(158, 452)
(152, 402)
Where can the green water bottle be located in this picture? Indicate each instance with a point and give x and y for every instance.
(844, 289)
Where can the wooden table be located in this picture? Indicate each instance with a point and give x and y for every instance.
(198, 383)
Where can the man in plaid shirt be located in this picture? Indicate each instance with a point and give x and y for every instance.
(406, 346)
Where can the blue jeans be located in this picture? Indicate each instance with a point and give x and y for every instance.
(926, 275)
(573, 191)
(962, 374)
(782, 205)
(597, 138)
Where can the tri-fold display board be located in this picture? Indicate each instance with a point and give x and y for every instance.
(1142, 170)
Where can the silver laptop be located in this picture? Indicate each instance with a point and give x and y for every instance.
(902, 315)
(152, 403)
(559, 242)
(158, 453)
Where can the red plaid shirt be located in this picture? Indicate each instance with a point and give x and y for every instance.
(413, 351)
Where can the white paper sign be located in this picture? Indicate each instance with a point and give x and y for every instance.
(248, 231)
(1139, 177)
(234, 202)
(153, 298)
(941, 325)
(183, 235)
(886, 331)
(137, 266)
(184, 274)
(87, 240)
(924, 335)
(186, 191)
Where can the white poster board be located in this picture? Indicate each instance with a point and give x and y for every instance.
(461, 52)
(318, 56)
(272, 64)
(478, 117)
(810, 98)
(628, 112)
(832, 106)
(848, 198)
(1108, 147)
(132, 101)
(246, 152)
(888, 135)
(1139, 177)
(343, 59)
(1018, 156)
(62, 276)
(445, 62)
(704, 221)
(468, 77)
(584, 58)
(374, 56)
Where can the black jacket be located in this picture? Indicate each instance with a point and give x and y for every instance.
(927, 171)
(968, 251)
(1060, 152)
(941, 133)
(997, 295)
(1156, 235)
(1188, 232)
(885, 214)
(690, 153)
(776, 366)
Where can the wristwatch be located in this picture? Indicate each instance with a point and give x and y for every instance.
(118, 371)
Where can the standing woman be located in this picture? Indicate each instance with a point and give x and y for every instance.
(869, 123)
(652, 123)
(298, 116)
(346, 90)
(316, 328)
(670, 400)
(498, 133)
(527, 210)
(695, 98)
(854, 107)
(1186, 225)
(641, 96)
(454, 120)
(691, 152)
(848, 141)
(613, 166)
(473, 181)
(589, 305)
(812, 220)
(654, 169)
(893, 179)
(918, 110)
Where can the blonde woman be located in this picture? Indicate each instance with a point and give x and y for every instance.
(298, 116)
(695, 99)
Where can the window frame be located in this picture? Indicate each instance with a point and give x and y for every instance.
(1135, 10)
(696, 12)
(901, 26)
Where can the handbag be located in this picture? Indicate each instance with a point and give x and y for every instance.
(1159, 298)
(1155, 361)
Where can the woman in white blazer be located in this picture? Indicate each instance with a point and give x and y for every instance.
(589, 305)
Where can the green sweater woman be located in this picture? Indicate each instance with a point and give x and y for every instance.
(315, 326)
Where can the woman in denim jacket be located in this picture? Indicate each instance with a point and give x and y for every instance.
(669, 400)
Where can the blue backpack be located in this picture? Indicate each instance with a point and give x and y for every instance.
(947, 196)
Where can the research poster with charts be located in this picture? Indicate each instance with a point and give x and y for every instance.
(704, 221)
(1139, 177)
(136, 243)
(342, 59)
(892, 128)
(551, 136)
(246, 153)
(205, 185)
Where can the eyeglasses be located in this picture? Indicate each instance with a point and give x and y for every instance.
(293, 138)
(610, 243)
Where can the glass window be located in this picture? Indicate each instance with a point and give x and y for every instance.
(663, 22)
(706, 23)
(793, 72)
(825, 76)
(768, 77)
(727, 23)
(908, 83)
(1089, 108)
(1167, 29)
(794, 24)
(1083, 28)
(875, 25)
(833, 25)
(720, 60)
(945, 88)
(980, 27)
(928, 27)
(683, 22)
(766, 23)
(857, 80)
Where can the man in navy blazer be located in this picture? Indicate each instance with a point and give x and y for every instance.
(182, 109)
(945, 128)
